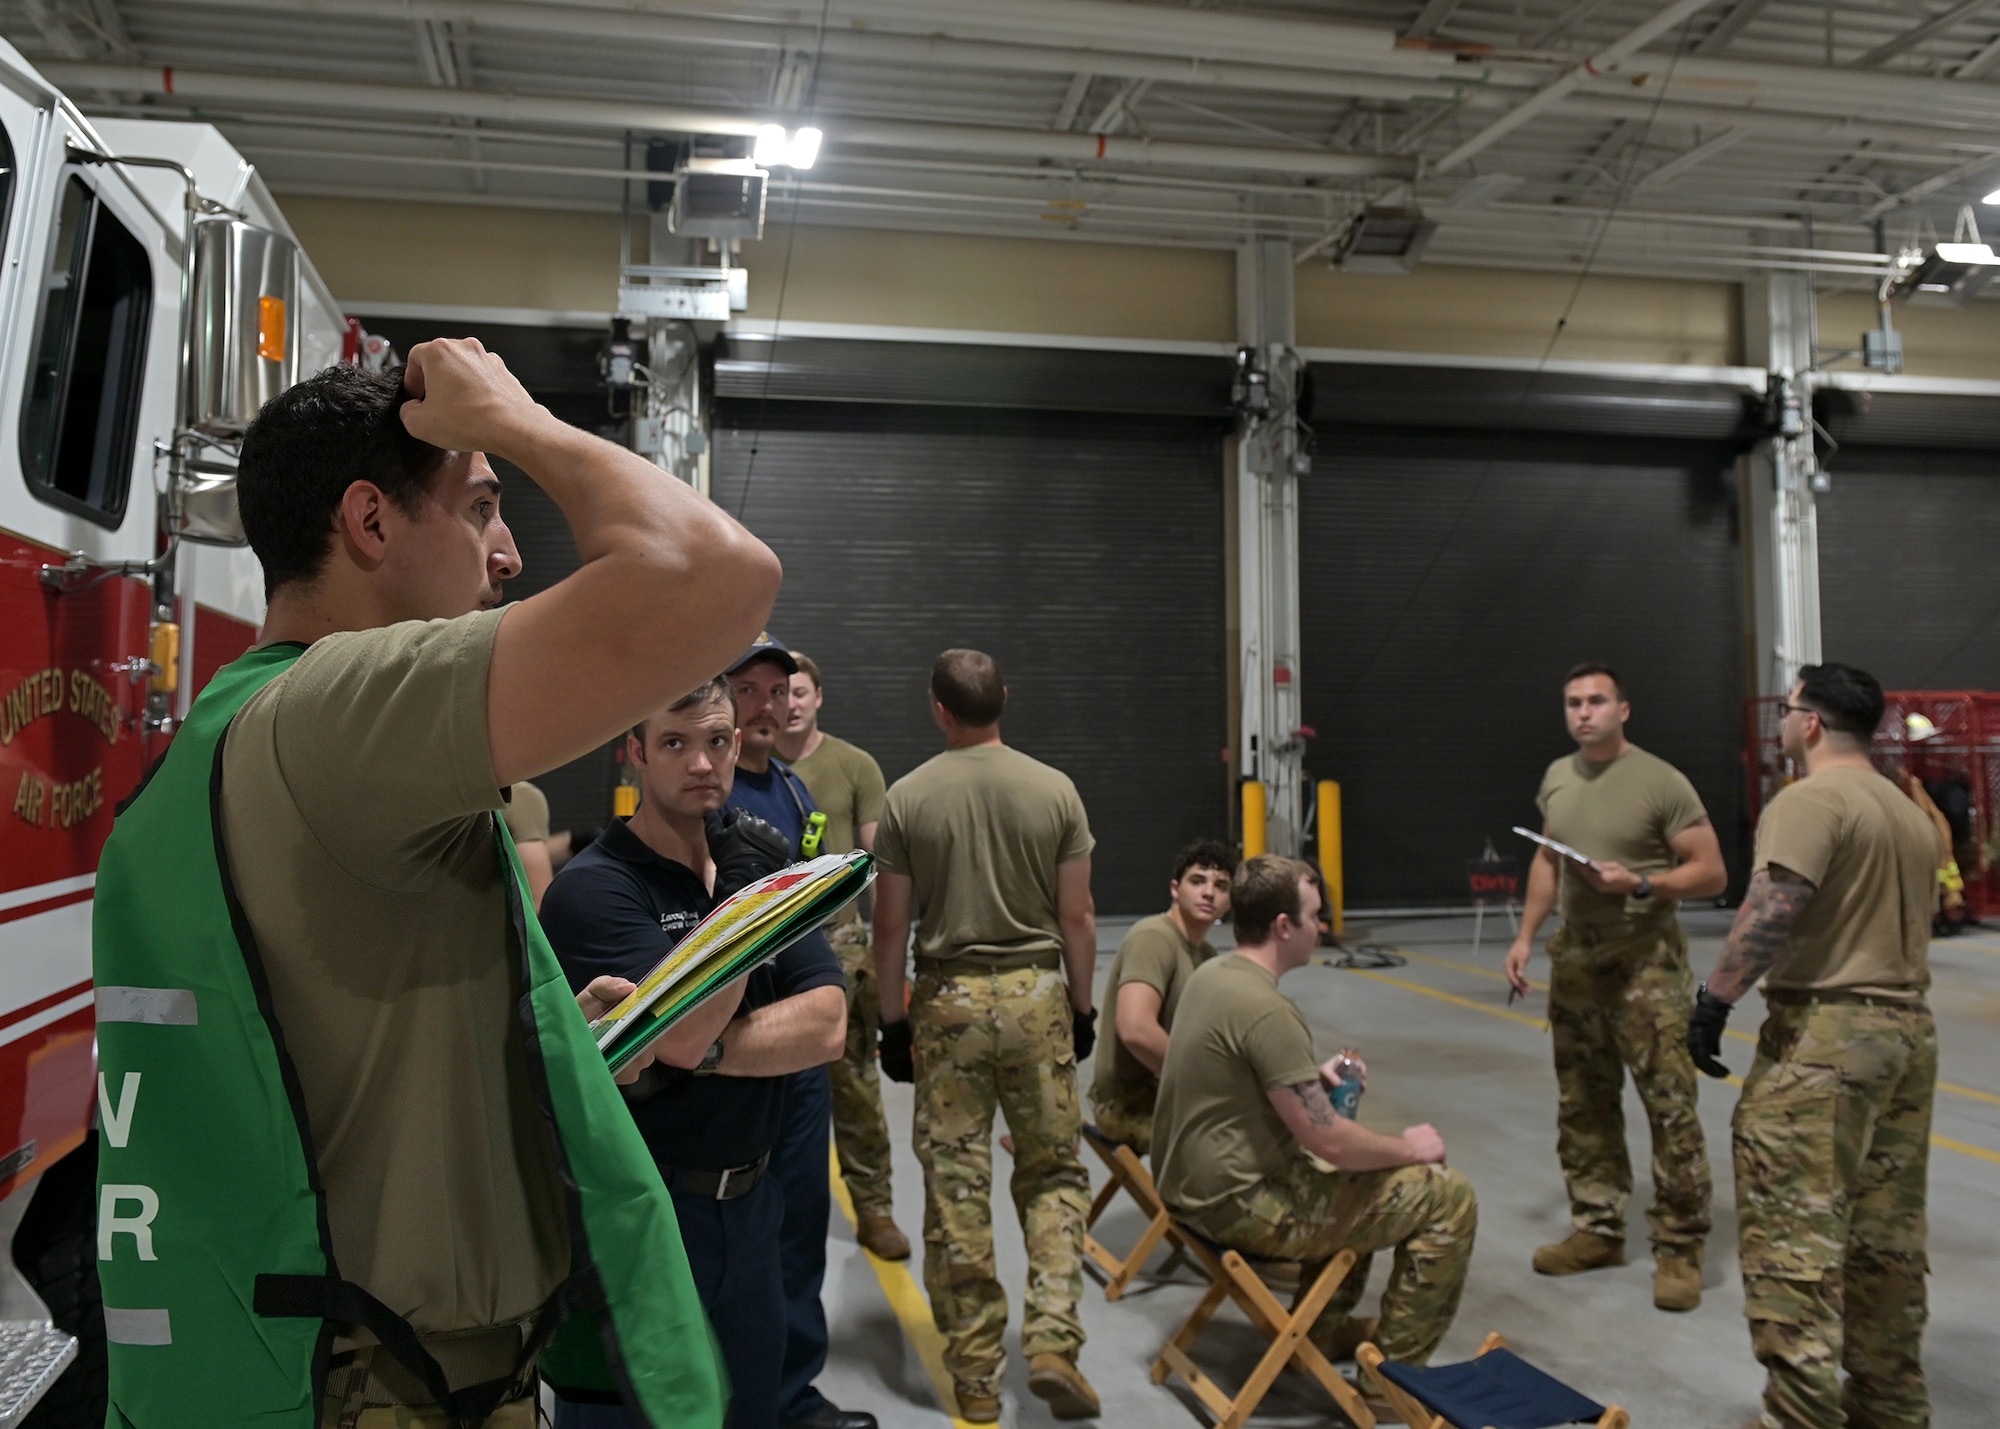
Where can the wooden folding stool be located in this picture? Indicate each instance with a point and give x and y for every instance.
(1527, 1398)
(1128, 1174)
(1232, 1277)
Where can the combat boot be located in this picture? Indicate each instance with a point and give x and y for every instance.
(1578, 1252)
(977, 1408)
(1057, 1379)
(1676, 1280)
(877, 1231)
(1346, 1337)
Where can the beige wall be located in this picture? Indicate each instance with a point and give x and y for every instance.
(1489, 312)
(477, 256)
(997, 284)
(1937, 342)
(461, 255)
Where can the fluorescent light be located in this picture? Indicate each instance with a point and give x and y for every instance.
(1981, 254)
(804, 149)
(1993, 197)
(771, 145)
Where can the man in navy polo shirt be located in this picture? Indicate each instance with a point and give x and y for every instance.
(712, 1109)
(767, 787)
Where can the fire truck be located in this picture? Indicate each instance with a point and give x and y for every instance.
(152, 298)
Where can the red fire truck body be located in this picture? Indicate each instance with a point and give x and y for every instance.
(151, 295)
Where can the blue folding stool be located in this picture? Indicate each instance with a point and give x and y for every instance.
(1496, 1389)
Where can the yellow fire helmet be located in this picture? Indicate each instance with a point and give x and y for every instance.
(1920, 728)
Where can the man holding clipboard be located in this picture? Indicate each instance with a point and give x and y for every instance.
(1625, 838)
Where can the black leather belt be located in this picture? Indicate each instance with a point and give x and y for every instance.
(719, 1185)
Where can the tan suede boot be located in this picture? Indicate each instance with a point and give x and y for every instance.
(877, 1231)
(1578, 1252)
(1676, 1281)
(1057, 1379)
(977, 1408)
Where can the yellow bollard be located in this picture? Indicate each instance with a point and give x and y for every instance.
(1331, 866)
(1254, 803)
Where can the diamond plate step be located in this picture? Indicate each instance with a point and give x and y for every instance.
(32, 1354)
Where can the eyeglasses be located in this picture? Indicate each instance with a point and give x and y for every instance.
(1785, 709)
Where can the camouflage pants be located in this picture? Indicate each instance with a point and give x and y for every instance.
(986, 1041)
(860, 1131)
(1124, 1119)
(1427, 1214)
(1832, 1140)
(1619, 1005)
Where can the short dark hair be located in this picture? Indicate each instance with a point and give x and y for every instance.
(809, 667)
(1204, 853)
(967, 683)
(308, 445)
(1848, 701)
(1264, 887)
(716, 692)
(1594, 667)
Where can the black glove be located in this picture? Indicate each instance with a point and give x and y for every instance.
(899, 1062)
(1083, 1031)
(1705, 1024)
(744, 848)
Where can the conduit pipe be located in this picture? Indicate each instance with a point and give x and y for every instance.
(199, 86)
(930, 50)
(1604, 62)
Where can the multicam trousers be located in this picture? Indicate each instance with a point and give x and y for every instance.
(1427, 1214)
(1127, 1120)
(985, 1041)
(1620, 1003)
(860, 1131)
(1832, 1141)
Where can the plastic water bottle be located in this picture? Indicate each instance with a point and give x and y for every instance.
(1349, 1073)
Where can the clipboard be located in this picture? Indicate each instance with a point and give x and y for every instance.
(1561, 848)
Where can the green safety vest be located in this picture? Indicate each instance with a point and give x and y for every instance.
(221, 1291)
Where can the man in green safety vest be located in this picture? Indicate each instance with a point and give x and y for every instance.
(360, 1161)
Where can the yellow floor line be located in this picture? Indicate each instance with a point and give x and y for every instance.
(907, 1299)
(1964, 1148)
(1954, 1088)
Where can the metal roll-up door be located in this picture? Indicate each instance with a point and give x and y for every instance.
(1909, 584)
(1504, 400)
(1450, 579)
(1084, 551)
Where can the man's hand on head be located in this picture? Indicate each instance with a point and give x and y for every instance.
(463, 398)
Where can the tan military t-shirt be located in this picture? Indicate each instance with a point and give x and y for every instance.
(980, 832)
(527, 813)
(1872, 857)
(1158, 954)
(357, 811)
(1215, 1133)
(846, 783)
(1623, 811)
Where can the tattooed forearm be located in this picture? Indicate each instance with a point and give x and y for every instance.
(1771, 906)
(1312, 1097)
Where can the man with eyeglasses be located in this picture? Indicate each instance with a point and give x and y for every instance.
(1619, 985)
(1832, 1135)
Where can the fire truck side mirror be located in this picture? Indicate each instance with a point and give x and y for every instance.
(202, 505)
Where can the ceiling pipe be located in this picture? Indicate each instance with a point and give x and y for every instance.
(625, 27)
(1604, 62)
(198, 86)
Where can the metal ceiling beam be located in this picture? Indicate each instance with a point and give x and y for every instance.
(1916, 193)
(202, 88)
(1430, 19)
(1917, 34)
(1559, 27)
(1072, 102)
(1732, 24)
(1699, 154)
(1599, 65)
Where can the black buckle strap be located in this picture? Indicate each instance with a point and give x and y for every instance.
(724, 1185)
(323, 1298)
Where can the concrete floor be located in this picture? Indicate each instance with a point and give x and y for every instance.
(1485, 1081)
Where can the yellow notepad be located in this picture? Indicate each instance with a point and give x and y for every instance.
(743, 932)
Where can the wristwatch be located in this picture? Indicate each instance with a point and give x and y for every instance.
(1645, 888)
(711, 1060)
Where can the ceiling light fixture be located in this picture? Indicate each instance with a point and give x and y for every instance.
(775, 148)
